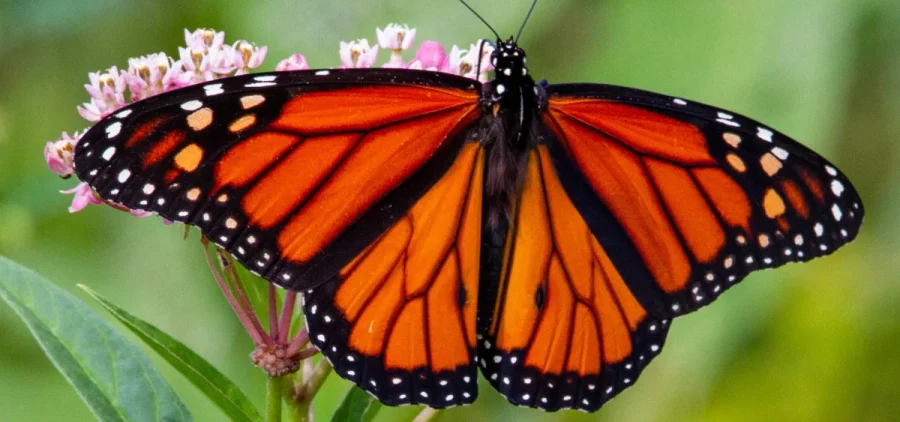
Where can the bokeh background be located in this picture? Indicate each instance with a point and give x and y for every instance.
(817, 341)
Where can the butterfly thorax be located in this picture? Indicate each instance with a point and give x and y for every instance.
(512, 99)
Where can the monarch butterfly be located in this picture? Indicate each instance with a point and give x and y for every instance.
(547, 234)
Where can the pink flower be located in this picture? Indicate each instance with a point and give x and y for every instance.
(154, 74)
(107, 92)
(294, 62)
(59, 154)
(204, 39)
(84, 195)
(395, 38)
(357, 54)
(463, 62)
(249, 56)
(429, 56)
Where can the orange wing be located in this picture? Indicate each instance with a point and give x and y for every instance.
(702, 197)
(293, 173)
(564, 331)
(399, 320)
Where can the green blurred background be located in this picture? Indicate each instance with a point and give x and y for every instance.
(817, 341)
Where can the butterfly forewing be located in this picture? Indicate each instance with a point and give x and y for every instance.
(293, 173)
(704, 196)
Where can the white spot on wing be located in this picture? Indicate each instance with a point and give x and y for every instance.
(322, 73)
(259, 84)
(265, 78)
(113, 129)
(123, 114)
(192, 105)
(109, 153)
(764, 134)
(680, 102)
(214, 89)
(780, 153)
(837, 187)
(836, 211)
(124, 175)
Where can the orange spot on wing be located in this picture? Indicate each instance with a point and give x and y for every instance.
(363, 108)
(200, 119)
(447, 337)
(380, 162)
(697, 223)
(292, 180)
(727, 196)
(618, 178)
(795, 197)
(369, 331)
(584, 351)
(436, 220)
(363, 276)
(242, 123)
(163, 148)
(188, 159)
(645, 131)
(243, 162)
(548, 350)
(527, 265)
(773, 205)
(406, 347)
(144, 130)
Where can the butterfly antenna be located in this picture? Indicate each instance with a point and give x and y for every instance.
(534, 3)
(482, 19)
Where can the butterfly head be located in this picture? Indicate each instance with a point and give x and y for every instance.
(509, 65)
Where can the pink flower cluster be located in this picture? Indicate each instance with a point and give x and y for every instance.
(206, 57)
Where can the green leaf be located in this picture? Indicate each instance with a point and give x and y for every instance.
(358, 406)
(113, 377)
(197, 370)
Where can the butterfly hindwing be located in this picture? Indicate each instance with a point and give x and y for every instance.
(399, 320)
(293, 173)
(563, 330)
(705, 196)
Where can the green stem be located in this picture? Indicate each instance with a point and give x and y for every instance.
(427, 414)
(273, 399)
(297, 411)
(316, 379)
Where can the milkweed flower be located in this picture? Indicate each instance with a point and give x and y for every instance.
(294, 62)
(154, 74)
(84, 196)
(357, 54)
(249, 56)
(464, 62)
(430, 56)
(395, 38)
(107, 91)
(59, 154)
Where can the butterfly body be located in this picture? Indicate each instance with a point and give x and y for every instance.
(436, 225)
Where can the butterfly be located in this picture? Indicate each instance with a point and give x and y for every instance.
(546, 234)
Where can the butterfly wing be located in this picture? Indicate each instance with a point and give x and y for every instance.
(294, 173)
(562, 330)
(703, 196)
(399, 320)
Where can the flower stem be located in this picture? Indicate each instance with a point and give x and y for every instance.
(273, 399)
(287, 313)
(426, 414)
(273, 312)
(247, 320)
(316, 379)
